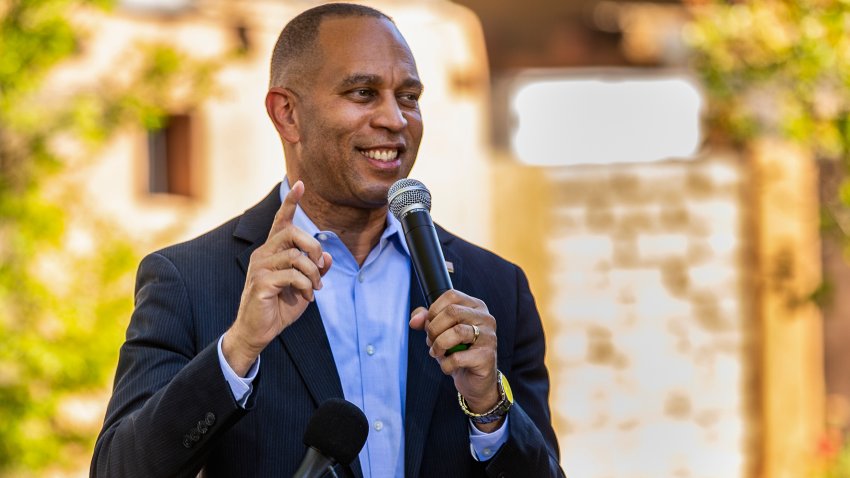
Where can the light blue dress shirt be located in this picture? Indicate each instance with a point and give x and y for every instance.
(365, 311)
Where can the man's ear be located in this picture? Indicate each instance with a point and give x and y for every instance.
(280, 105)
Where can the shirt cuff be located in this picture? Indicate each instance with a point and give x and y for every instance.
(484, 445)
(240, 386)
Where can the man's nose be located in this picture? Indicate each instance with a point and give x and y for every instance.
(390, 115)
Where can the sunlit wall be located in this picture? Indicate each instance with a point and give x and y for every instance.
(635, 243)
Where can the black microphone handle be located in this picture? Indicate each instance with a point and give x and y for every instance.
(315, 465)
(427, 256)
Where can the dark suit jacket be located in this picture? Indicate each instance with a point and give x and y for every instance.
(172, 412)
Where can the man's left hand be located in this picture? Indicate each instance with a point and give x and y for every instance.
(448, 322)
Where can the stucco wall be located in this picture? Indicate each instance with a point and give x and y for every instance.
(640, 276)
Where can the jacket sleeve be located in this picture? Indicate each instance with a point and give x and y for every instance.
(531, 448)
(170, 400)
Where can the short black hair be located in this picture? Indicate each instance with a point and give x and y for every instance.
(297, 41)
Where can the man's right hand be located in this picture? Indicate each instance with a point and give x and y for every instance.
(281, 278)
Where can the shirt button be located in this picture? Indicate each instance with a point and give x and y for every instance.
(323, 237)
(487, 452)
(370, 349)
(360, 277)
(379, 425)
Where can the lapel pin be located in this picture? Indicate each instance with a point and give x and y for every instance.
(450, 267)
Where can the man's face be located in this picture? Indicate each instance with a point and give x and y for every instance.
(358, 117)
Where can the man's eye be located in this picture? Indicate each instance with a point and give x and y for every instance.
(409, 98)
(363, 93)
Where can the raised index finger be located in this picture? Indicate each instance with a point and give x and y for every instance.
(286, 213)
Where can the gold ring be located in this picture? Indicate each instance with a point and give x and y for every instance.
(475, 333)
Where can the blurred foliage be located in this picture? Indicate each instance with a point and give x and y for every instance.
(832, 454)
(776, 68)
(832, 459)
(65, 274)
(780, 68)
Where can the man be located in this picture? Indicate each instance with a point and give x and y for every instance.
(240, 334)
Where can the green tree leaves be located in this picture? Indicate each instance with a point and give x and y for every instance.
(65, 273)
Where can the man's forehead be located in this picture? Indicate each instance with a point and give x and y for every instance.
(354, 22)
(356, 48)
(347, 33)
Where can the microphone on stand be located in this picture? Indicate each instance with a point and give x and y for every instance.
(335, 434)
(410, 203)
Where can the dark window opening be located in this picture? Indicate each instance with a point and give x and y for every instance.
(170, 157)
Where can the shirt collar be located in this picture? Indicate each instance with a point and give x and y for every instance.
(392, 231)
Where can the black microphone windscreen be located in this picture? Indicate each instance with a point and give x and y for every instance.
(338, 429)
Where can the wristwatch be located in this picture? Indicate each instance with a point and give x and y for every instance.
(495, 413)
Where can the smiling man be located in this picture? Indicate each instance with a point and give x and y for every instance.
(240, 334)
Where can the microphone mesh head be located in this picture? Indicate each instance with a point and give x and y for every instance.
(338, 429)
(405, 193)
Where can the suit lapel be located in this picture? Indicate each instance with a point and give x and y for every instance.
(423, 383)
(305, 341)
(424, 376)
(307, 344)
(449, 254)
(255, 224)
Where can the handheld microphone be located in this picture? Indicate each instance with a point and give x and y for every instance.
(410, 203)
(335, 434)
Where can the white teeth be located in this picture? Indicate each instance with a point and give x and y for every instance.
(381, 154)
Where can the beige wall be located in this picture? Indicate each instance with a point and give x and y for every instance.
(638, 271)
(238, 157)
(680, 339)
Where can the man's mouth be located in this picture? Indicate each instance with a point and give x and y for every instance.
(380, 154)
